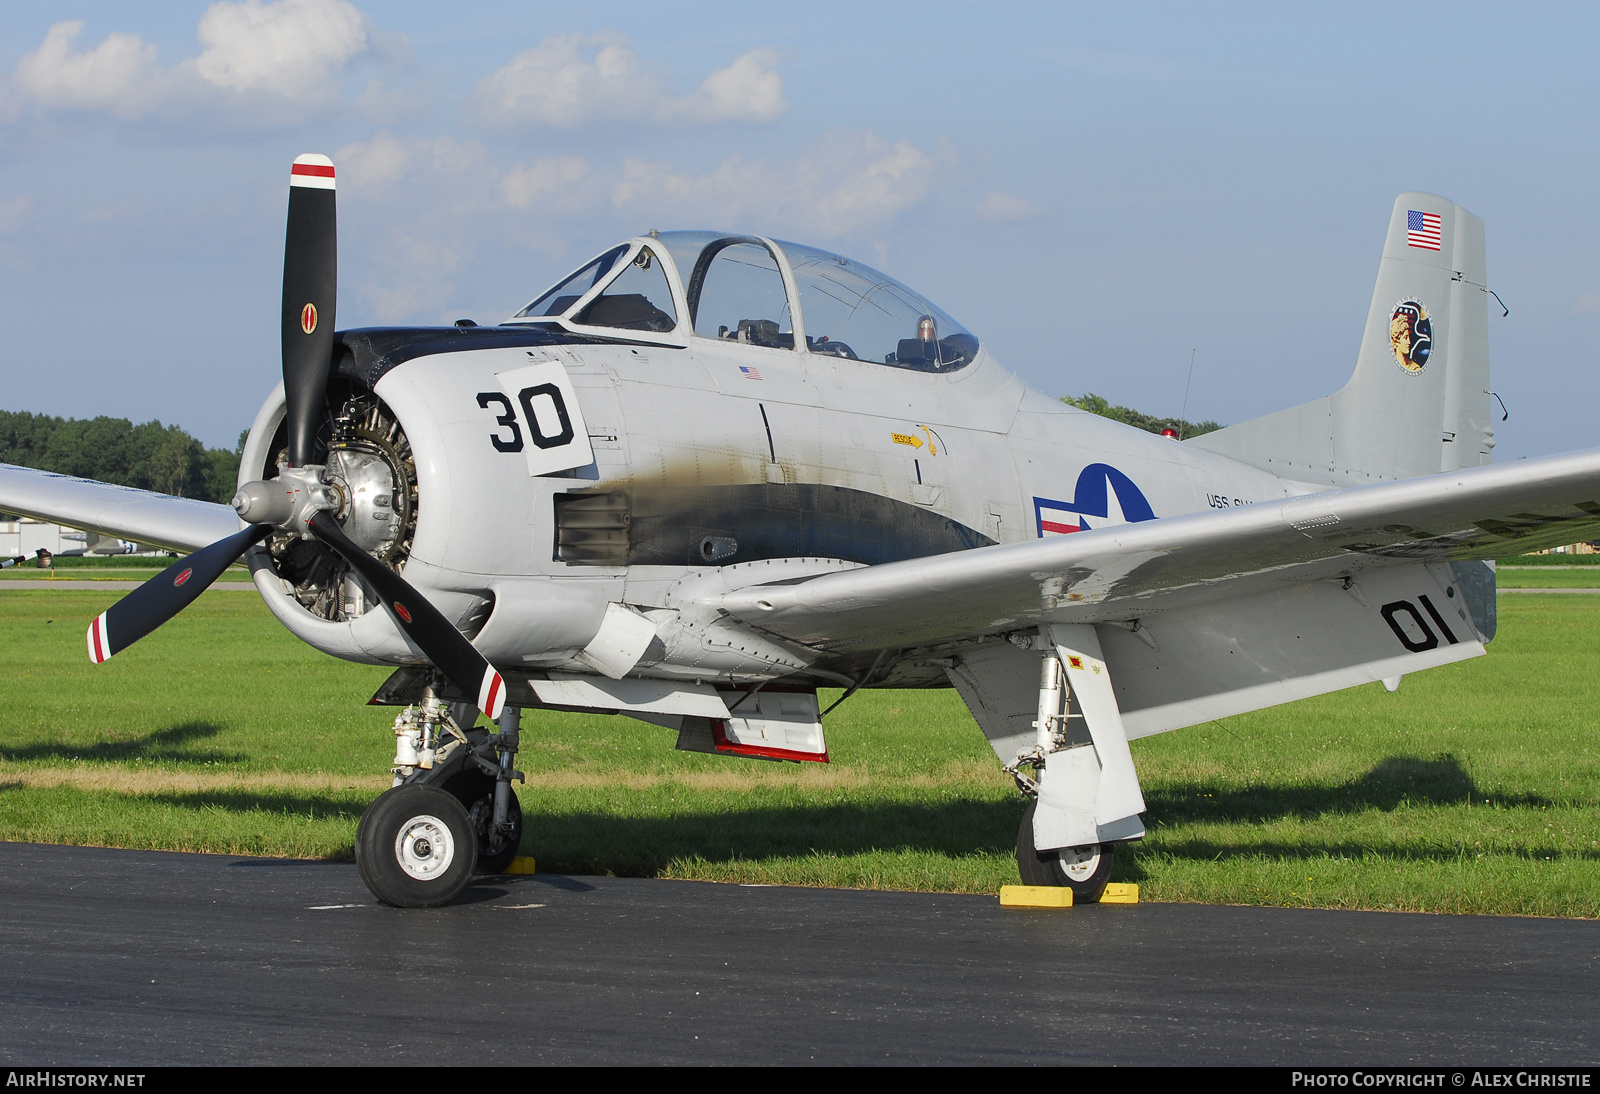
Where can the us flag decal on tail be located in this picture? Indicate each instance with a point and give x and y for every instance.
(1423, 230)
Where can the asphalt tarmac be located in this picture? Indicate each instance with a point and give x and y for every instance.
(144, 958)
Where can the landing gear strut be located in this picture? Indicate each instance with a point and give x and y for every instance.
(451, 812)
(490, 803)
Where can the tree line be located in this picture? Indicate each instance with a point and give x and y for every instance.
(149, 456)
(1097, 404)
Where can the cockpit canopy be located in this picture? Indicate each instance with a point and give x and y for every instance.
(670, 287)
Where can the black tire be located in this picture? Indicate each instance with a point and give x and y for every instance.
(474, 789)
(415, 847)
(1084, 870)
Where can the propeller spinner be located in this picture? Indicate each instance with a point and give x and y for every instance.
(299, 501)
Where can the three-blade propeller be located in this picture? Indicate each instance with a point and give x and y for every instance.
(297, 501)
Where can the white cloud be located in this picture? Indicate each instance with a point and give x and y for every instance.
(418, 207)
(844, 184)
(289, 48)
(284, 52)
(428, 210)
(119, 75)
(1004, 207)
(374, 164)
(569, 79)
(750, 89)
(442, 163)
(552, 181)
(1587, 304)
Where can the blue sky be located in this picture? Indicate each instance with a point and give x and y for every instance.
(1093, 189)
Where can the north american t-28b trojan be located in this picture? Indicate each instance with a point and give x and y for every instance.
(707, 474)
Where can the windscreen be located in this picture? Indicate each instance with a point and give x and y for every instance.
(566, 294)
(855, 312)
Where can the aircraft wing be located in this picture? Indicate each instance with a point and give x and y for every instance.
(1127, 571)
(179, 524)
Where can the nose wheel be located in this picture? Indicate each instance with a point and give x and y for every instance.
(1084, 870)
(416, 847)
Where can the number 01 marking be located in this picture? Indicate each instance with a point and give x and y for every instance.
(508, 418)
(1429, 640)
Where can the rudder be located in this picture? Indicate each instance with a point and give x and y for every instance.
(1418, 401)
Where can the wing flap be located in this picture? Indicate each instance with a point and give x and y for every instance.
(1131, 570)
(179, 524)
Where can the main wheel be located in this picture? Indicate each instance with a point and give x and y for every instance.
(474, 789)
(415, 847)
(1084, 870)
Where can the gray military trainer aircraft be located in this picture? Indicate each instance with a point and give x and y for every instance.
(708, 473)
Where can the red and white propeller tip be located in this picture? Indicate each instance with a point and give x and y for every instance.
(312, 170)
(99, 641)
(492, 695)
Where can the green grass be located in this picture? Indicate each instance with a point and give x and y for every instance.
(105, 568)
(1548, 577)
(1474, 788)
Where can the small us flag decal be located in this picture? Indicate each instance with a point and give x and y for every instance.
(1423, 230)
(750, 373)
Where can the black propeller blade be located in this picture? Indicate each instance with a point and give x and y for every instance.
(310, 290)
(167, 594)
(310, 286)
(435, 635)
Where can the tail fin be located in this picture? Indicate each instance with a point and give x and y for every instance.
(1418, 401)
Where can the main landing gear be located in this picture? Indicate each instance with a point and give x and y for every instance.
(451, 812)
(1084, 870)
(1084, 793)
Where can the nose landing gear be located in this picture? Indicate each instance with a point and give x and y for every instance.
(415, 847)
(451, 812)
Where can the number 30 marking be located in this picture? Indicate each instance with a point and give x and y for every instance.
(508, 419)
(536, 433)
(526, 397)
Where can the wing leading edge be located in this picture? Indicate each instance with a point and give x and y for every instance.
(1130, 570)
(179, 524)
